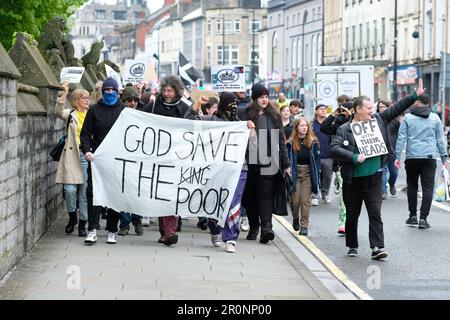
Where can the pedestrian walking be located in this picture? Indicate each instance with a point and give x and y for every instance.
(287, 121)
(326, 162)
(72, 166)
(259, 190)
(169, 103)
(99, 120)
(362, 177)
(390, 167)
(329, 126)
(304, 154)
(227, 111)
(421, 131)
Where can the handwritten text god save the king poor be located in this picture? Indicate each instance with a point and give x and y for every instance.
(158, 166)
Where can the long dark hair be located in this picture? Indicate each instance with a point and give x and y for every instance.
(270, 110)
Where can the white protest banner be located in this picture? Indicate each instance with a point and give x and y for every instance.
(113, 74)
(71, 74)
(134, 71)
(368, 138)
(152, 165)
(228, 78)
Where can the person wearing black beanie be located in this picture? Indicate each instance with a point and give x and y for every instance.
(263, 180)
(99, 120)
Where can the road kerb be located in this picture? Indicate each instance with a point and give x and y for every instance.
(341, 276)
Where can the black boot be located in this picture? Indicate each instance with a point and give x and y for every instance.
(296, 224)
(82, 228)
(72, 222)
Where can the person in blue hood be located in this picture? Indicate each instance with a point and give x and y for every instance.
(421, 131)
(99, 120)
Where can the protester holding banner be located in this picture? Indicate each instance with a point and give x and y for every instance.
(390, 167)
(130, 98)
(72, 166)
(263, 168)
(421, 131)
(211, 107)
(226, 112)
(304, 153)
(362, 173)
(169, 103)
(99, 120)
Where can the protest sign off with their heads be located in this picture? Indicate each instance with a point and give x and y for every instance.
(152, 165)
(368, 138)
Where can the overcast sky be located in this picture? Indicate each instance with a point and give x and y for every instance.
(154, 5)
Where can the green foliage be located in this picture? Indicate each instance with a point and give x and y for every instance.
(31, 16)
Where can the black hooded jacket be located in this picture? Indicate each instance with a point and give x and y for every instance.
(99, 120)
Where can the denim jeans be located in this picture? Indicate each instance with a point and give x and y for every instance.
(393, 173)
(72, 191)
(125, 219)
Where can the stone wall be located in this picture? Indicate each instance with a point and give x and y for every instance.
(30, 200)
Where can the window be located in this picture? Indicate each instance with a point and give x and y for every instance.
(237, 26)
(353, 37)
(294, 54)
(120, 15)
(219, 26)
(375, 33)
(270, 21)
(279, 18)
(225, 59)
(208, 26)
(360, 44)
(208, 56)
(367, 34)
(287, 59)
(255, 25)
(383, 30)
(227, 26)
(305, 17)
(298, 18)
(313, 14)
(293, 19)
(346, 39)
(100, 14)
(287, 22)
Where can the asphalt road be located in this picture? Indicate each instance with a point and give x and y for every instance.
(418, 265)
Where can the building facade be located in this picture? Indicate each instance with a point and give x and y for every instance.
(98, 20)
(332, 31)
(295, 33)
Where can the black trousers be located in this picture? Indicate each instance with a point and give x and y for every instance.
(258, 199)
(94, 212)
(367, 189)
(426, 170)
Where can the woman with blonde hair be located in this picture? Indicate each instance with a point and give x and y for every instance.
(72, 166)
(303, 148)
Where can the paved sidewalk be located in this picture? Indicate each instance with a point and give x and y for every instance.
(138, 267)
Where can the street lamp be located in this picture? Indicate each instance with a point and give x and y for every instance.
(253, 48)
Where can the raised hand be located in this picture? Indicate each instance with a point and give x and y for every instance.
(420, 89)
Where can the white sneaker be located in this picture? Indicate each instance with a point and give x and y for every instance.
(111, 238)
(244, 224)
(230, 246)
(146, 221)
(326, 199)
(91, 238)
(314, 202)
(216, 240)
